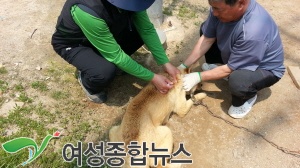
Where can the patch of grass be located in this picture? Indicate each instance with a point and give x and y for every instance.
(24, 98)
(2, 100)
(24, 123)
(63, 73)
(12, 160)
(34, 120)
(19, 87)
(52, 158)
(45, 114)
(59, 95)
(167, 11)
(3, 86)
(39, 85)
(27, 128)
(3, 70)
(31, 128)
(186, 12)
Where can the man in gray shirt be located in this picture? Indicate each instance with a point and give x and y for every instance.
(242, 37)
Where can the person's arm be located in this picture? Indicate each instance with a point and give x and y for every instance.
(148, 34)
(216, 73)
(98, 33)
(201, 47)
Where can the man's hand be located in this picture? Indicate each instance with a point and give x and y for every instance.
(172, 71)
(190, 80)
(162, 83)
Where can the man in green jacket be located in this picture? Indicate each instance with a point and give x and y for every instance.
(98, 37)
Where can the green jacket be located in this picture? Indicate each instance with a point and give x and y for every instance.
(98, 33)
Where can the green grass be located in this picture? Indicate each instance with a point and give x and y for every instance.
(24, 98)
(59, 95)
(3, 70)
(19, 87)
(167, 11)
(186, 12)
(34, 119)
(3, 86)
(39, 85)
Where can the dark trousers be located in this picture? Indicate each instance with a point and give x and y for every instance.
(96, 72)
(243, 84)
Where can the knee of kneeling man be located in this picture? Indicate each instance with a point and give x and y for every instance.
(238, 87)
(234, 82)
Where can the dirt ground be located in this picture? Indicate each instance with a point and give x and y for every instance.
(267, 137)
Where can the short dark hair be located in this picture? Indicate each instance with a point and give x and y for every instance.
(228, 2)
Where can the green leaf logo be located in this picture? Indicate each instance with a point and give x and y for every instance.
(18, 144)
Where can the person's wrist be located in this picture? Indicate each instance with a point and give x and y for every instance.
(200, 78)
(183, 65)
(153, 77)
(166, 64)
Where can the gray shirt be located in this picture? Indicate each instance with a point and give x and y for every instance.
(249, 43)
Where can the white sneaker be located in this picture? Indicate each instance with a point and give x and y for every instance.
(243, 110)
(206, 67)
